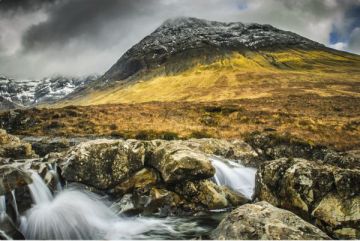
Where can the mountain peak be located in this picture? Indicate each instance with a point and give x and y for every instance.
(188, 38)
(185, 21)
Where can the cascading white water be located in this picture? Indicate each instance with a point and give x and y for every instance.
(74, 214)
(52, 171)
(40, 193)
(15, 205)
(2, 207)
(235, 176)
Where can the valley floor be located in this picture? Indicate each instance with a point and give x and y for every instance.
(333, 121)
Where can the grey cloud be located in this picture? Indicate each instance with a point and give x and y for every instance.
(84, 36)
(81, 19)
(16, 6)
(354, 43)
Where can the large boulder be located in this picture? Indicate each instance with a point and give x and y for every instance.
(327, 195)
(177, 162)
(12, 147)
(103, 163)
(264, 221)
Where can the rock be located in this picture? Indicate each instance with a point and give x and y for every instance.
(8, 230)
(141, 180)
(12, 177)
(12, 147)
(45, 145)
(325, 194)
(235, 149)
(177, 162)
(165, 202)
(209, 195)
(270, 146)
(349, 159)
(103, 163)
(125, 205)
(264, 221)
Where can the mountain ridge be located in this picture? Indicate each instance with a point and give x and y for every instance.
(190, 59)
(179, 35)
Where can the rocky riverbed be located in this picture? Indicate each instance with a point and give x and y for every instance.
(263, 187)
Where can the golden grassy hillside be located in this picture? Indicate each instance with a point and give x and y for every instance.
(240, 76)
(331, 120)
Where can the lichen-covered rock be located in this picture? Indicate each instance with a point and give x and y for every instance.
(103, 163)
(264, 221)
(12, 147)
(326, 194)
(177, 162)
(209, 195)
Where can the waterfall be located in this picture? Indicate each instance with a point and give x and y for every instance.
(40, 193)
(15, 205)
(53, 172)
(237, 177)
(2, 207)
(75, 214)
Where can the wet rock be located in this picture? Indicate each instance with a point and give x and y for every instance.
(126, 205)
(264, 221)
(177, 162)
(327, 195)
(209, 195)
(12, 147)
(13, 177)
(141, 180)
(164, 202)
(103, 163)
(8, 229)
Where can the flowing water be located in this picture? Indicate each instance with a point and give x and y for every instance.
(237, 177)
(2, 207)
(14, 203)
(74, 214)
(78, 214)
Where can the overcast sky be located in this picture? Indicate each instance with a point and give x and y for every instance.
(41, 38)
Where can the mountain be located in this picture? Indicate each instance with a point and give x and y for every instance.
(23, 93)
(190, 37)
(189, 59)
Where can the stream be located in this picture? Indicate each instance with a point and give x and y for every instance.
(72, 213)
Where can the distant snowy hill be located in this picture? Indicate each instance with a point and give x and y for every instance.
(21, 93)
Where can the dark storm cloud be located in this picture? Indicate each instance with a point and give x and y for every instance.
(73, 19)
(15, 6)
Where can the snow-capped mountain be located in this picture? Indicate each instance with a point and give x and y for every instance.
(21, 93)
